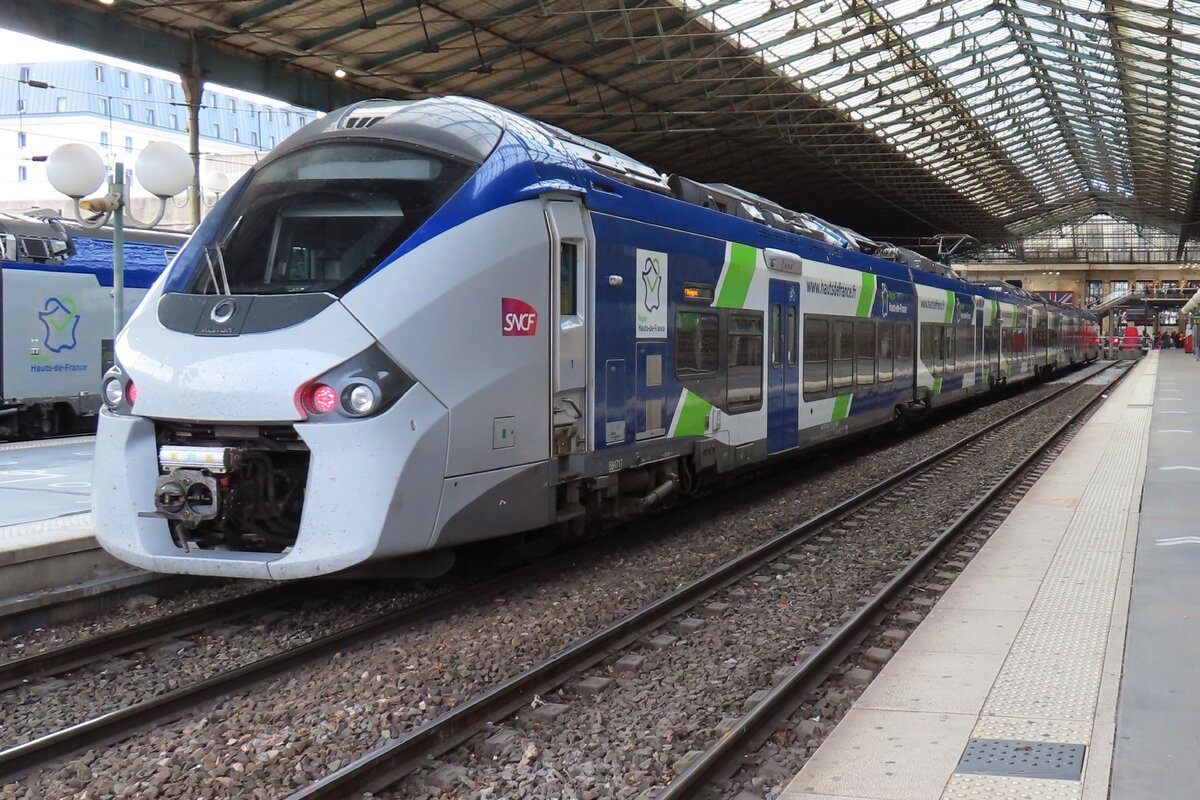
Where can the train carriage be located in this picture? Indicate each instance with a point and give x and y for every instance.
(417, 324)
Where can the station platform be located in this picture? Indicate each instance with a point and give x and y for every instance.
(1063, 661)
(51, 567)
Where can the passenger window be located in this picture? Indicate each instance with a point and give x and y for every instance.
(843, 353)
(887, 352)
(567, 280)
(745, 362)
(948, 338)
(697, 344)
(904, 342)
(816, 356)
(865, 350)
(791, 336)
(776, 336)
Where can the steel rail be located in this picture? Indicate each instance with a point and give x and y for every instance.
(782, 698)
(135, 637)
(401, 756)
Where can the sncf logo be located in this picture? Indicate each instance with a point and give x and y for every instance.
(517, 317)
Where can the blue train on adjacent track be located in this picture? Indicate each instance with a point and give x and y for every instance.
(419, 324)
(56, 318)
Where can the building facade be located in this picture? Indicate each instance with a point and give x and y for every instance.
(118, 110)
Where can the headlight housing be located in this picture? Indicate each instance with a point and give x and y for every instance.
(118, 391)
(367, 384)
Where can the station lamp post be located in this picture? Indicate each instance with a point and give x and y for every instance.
(77, 171)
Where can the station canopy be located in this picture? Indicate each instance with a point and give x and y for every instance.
(903, 118)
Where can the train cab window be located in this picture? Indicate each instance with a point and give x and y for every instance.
(843, 353)
(886, 352)
(864, 337)
(697, 344)
(816, 356)
(745, 373)
(567, 279)
(776, 336)
(323, 217)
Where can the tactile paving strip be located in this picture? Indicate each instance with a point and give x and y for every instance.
(1034, 730)
(1046, 685)
(990, 787)
(1086, 565)
(1076, 597)
(1064, 634)
(64, 523)
(47, 443)
(1022, 759)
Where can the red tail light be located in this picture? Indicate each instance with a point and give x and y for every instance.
(130, 393)
(317, 398)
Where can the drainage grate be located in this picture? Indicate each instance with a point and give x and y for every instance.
(1019, 759)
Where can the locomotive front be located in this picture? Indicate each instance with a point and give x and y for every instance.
(254, 426)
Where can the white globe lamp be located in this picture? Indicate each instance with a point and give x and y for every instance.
(164, 169)
(216, 182)
(76, 170)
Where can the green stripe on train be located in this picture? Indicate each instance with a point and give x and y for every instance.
(742, 261)
(841, 407)
(693, 413)
(867, 295)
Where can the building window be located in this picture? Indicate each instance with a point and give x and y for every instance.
(146, 86)
(20, 138)
(98, 71)
(235, 135)
(271, 141)
(216, 131)
(124, 77)
(150, 116)
(20, 105)
(127, 110)
(268, 115)
(22, 173)
(102, 103)
(24, 75)
(171, 91)
(233, 105)
(173, 121)
(104, 139)
(253, 138)
(128, 144)
(60, 104)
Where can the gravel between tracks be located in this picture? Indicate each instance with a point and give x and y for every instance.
(297, 728)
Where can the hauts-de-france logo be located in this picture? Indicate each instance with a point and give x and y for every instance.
(651, 295)
(60, 321)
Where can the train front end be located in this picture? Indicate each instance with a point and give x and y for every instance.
(255, 424)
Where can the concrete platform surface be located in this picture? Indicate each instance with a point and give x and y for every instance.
(1023, 653)
(45, 479)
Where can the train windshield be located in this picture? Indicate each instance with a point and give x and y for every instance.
(322, 218)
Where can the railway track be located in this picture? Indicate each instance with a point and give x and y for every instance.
(442, 733)
(413, 750)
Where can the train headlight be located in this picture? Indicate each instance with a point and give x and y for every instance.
(114, 392)
(359, 399)
(367, 384)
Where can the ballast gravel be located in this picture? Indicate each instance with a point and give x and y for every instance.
(298, 728)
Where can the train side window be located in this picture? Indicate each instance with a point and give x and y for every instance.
(776, 336)
(904, 341)
(864, 353)
(948, 338)
(568, 275)
(791, 336)
(697, 344)
(931, 347)
(965, 346)
(887, 352)
(816, 356)
(843, 353)
(745, 373)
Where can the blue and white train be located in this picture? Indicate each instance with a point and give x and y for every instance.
(418, 324)
(56, 317)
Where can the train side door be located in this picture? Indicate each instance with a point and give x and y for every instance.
(783, 366)
(570, 269)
